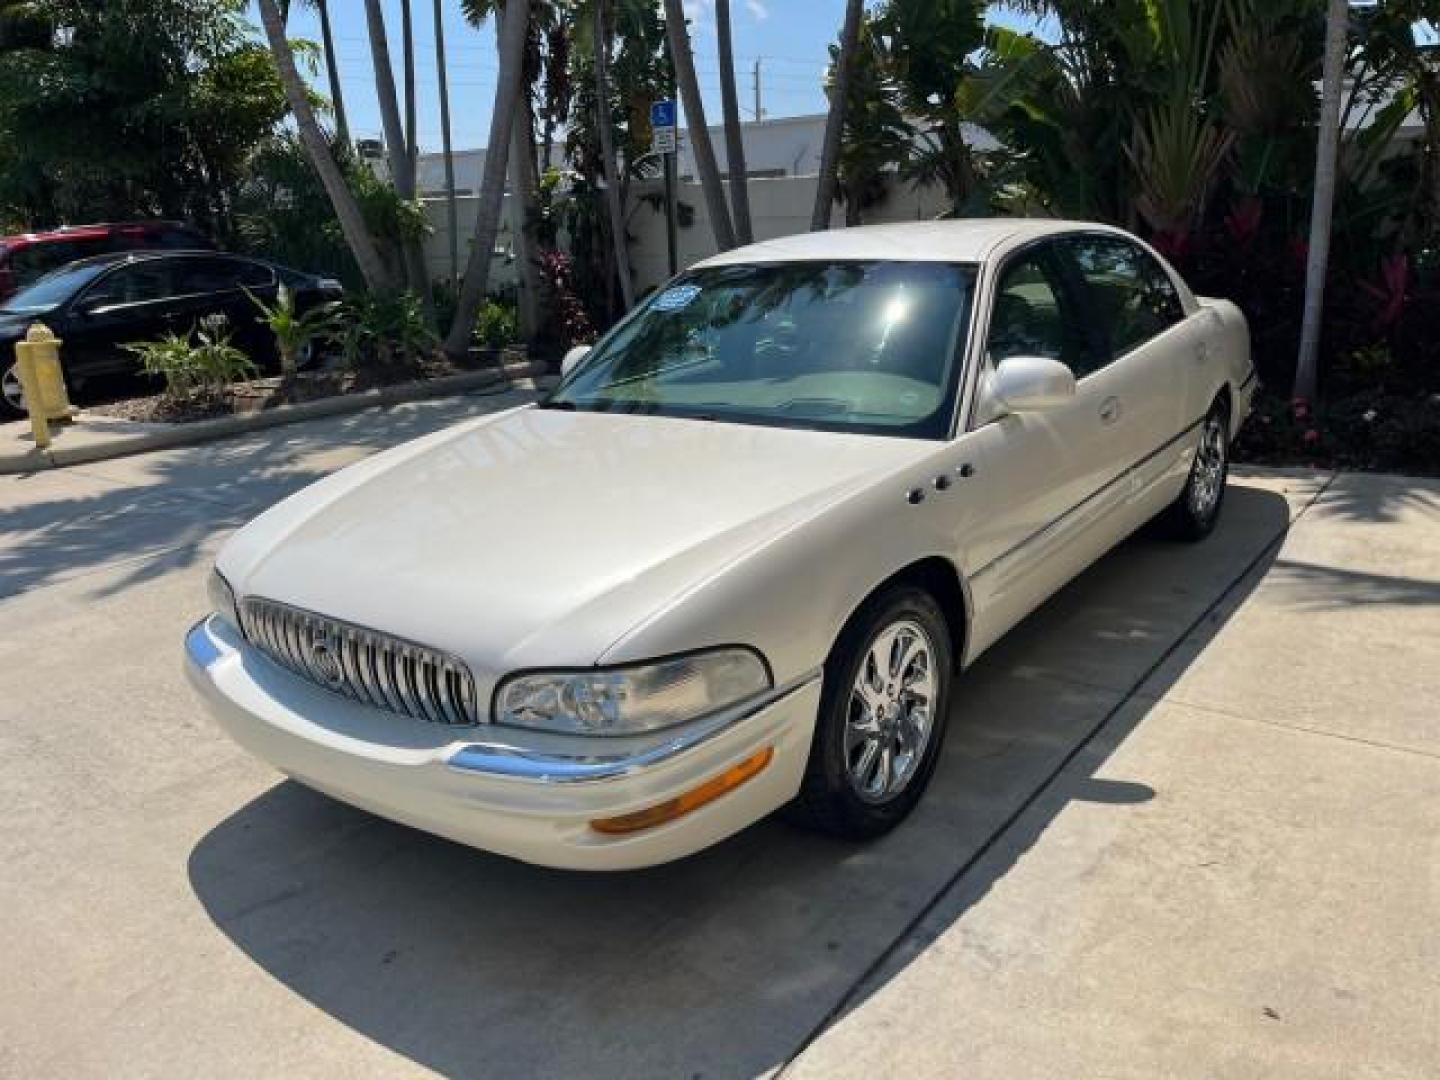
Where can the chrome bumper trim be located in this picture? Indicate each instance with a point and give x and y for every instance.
(516, 763)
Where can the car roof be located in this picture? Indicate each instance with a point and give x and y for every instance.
(962, 240)
(98, 230)
(115, 258)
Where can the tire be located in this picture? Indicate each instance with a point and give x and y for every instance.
(309, 356)
(1193, 515)
(12, 397)
(841, 794)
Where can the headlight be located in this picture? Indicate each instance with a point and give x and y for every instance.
(632, 700)
(222, 597)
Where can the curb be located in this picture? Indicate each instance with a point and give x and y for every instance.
(203, 431)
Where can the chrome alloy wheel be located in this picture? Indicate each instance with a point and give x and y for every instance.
(890, 714)
(11, 390)
(1207, 477)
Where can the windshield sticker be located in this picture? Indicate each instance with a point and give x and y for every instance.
(676, 298)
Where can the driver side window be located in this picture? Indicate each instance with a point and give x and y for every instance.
(1028, 317)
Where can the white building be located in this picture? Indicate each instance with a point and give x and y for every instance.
(784, 146)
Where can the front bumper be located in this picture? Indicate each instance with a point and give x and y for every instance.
(531, 798)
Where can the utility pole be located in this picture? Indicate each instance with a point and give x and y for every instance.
(759, 115)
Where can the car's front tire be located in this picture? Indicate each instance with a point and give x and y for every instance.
(1193, 515)
(882, 717)
(12, 396)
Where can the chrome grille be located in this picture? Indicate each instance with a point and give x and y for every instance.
(376, 669)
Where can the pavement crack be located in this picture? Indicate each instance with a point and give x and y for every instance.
(1303, 729)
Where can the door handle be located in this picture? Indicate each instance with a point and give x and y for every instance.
(1110, 410)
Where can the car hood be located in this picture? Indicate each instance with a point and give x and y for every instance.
(13, 326)
(539, 537)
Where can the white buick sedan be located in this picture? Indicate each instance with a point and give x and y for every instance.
(738, 558)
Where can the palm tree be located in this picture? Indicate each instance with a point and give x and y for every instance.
(347, 210)
(402, 163)
(453, 225)
(407, 48)
(332, 67)
(514, 31)
(525, 190)
(523, 175)
(332, 72)
(734, 139)
(1337, 23)
(835, 121)
(603, 124)
(710, 184)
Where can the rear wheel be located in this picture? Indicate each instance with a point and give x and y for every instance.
(882, 717)
(1193, 515)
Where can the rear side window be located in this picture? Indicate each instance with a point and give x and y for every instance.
(220, 275)
(1130, 293)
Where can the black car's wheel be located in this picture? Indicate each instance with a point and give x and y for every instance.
(1193, 515)
(307, 356)
(11, 391)
(882, 717)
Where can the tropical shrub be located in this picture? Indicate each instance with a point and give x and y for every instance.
(201, 360)
(497, 325)
(385, 331)
(293, 330)
(574, 323)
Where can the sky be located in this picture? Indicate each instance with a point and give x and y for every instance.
(789, 38)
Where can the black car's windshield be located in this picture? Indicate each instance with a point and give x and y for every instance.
(52, 290)
(850, 346)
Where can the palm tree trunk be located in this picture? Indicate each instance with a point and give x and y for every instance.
(835, 121)
(525, 190)
(524, 203)
(734, 137)
(402, 164)
(347, 210)
(407, 45)
(607, 156)
(514, 28)
(1307, 376)
(452, 219)
(710, 184)
(332, 70)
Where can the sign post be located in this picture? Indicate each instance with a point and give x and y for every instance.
(663, 140)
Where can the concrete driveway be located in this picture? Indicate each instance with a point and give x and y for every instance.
(1187, 824)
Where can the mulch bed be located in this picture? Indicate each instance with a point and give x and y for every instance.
(257, 395)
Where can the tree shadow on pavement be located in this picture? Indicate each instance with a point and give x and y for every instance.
(158, 512)
(727, 963)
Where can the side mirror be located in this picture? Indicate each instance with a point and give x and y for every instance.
(1031, 384)
(573, 357)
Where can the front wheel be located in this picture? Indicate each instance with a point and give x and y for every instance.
(882, 717)
(11, 391)
(1194, 513)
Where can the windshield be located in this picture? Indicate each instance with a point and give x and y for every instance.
(52, 290)
(849, 346)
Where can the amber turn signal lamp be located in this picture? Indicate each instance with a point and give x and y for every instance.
(693, 799)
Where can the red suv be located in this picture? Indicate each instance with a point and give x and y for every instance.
(28, 256)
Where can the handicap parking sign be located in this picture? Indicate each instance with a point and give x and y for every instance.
(662, 114)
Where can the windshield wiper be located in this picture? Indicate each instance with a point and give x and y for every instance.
(563, 406)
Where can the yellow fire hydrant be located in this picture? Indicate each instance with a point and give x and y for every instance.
(42, 381)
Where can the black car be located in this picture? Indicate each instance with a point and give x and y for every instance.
(97, 305)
